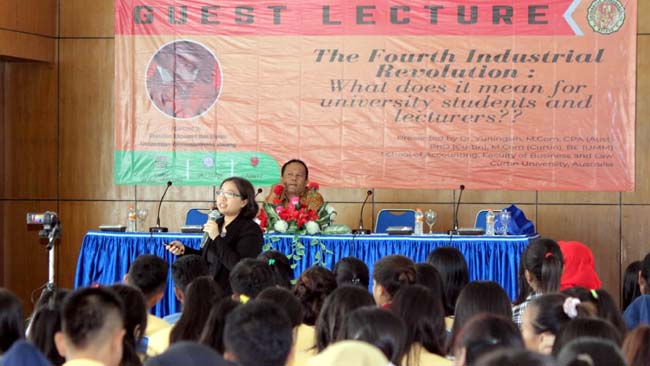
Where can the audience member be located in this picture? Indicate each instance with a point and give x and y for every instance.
(542, 269)
(589, 351)
(579, 266)
(135, 322)
(379, 328)
(331, 322)
(212, 334)
(295, 176)
(12, 327)
(258, 333)
(149, 274)
(606, 308)
(508, 357)
(631, 289)
(188, 354)
(476, 298)
(390, 273)
(351, 271)
(23, 353)
(280, 265)
(355, 353)
(644, 276)
(636, 346)
(427, 275)
(485, 333)
(185, 269)
(586, 327)
(45, 322)
(285, 300)
(249, 277)
(423, 315)
(638, 313)
(452, 266)
(312, 287)
(92, 328)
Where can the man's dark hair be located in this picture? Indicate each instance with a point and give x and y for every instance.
(284, 167)
(258, 333)
(11, 319)
(250, 276)
(645, 268)
(149, 274)
(86, 312)
(188, 268)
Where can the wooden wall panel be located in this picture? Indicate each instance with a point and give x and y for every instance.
(411, 195)
(636, 232)
(27, 46)
(578, 197)
(30, 136)
(37, 16)
(643, 16)
(83, 18)
(86, 118)
(503, 197)
(176, 193)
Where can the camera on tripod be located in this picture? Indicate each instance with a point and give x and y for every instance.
(48, 219)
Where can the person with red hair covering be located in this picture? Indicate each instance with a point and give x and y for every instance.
(579, 267)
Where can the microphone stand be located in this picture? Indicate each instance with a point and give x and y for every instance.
(361, 230)
(158, 228)
(460, 195)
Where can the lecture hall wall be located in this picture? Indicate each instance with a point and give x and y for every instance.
(56, 138)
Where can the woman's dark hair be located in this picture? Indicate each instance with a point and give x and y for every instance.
(280, 265)
(544, 261)
(635, 346)
(200, 296)
(330, 325)
(380, 328)
(589, 351)
(285, 165)
(12, 327)
(631, 288)
(551, 316)
(452, 266)
(212, 334)
(352, 271)
(312, 287)
(45, 322)
(393, 272)
(424, 318)
(476, 298)
(428, 276)
(485, 333)
(135, 321)
(247, 192)
(517, 357)
(286, 300)
(524, 287)
(586, 327)
(604, 304)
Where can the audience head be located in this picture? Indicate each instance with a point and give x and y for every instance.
(644, 276)
(586, 327)
(351, 271)
(546, 315)
(186, 269)
(543, 265)
(480, 297)
(452, 266)
(92, 326)
(330, 325)
(247, 195)
(46, 321)
(485, 333)
(200, 296)
(427, 275)
(312, 287)
(389, 274)
(355, 353)
(423, 316)
(579, 266)
(258, 333)
(149, 273)
(280, 265)
(135, 320)
(24, 353)
(212, 334)
(380, 328)
(12, 327)
(295, 175)
(249, 277)
(635, 346)
(631, 289)
(589, 351)
(285, 300)
(188, 354)
(509, 357)
(604, 305)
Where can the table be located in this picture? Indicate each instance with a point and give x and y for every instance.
(105, 257)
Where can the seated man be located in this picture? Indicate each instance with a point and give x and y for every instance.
(149, 274)
(249, 277)
(184, 270)
(92, 328)
(294, 184)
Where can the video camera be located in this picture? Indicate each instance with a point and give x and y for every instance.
(50, 222)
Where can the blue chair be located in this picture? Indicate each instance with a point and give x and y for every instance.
(195, 217)
(394, 217)
(480, 218)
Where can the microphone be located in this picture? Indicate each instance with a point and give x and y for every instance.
(361, 230)
(259, 190)
(214, 215)
(455, 230)
(158, 228)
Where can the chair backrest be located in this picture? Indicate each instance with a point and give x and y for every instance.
(394, 217)
(480, 218)
(195, 217)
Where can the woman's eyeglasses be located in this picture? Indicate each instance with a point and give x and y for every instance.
(227, 194)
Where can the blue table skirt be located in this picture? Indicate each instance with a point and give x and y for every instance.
(105, 257)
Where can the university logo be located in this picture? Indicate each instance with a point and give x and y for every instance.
(606, 16)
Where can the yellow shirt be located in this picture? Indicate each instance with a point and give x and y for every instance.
(425, 358)
(159, 342)
(155, 324)
(83, 362)
(303, 345)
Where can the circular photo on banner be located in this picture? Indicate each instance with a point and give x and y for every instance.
(183, 79)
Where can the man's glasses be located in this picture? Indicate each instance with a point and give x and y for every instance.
(227, 194)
